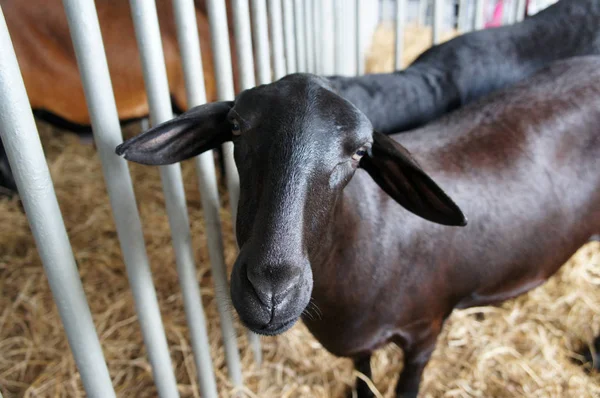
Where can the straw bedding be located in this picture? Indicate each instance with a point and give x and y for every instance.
(523, 348)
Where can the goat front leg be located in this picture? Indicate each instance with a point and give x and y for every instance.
(363, 365)
(410, 378)
(416, 357)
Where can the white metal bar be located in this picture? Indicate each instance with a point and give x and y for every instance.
(532, 8)
(243, 39)
(328, 42)
(506, 16)
(345, 37)
(479, 14)
(339, 36)
(521, 10)
(217, 18)
(301, 56)
(309, 36)
(514, 9)
(148, 37)
(189, 44)
(290, 37)
(277, 37)
(350, 43)
(400, 23)
(317, 18)
(261, 41)
(438, 21)
(423, 12)
(243, 43)
(360, 56)
(26, 158)
(219, 34)
(464, 24)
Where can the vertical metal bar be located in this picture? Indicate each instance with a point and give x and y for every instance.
(26, 158)
(217, 18)
(438, 21)
(189, 44)
(400, 21)
(521, 10)
(339, 36)
(349, 44)
(360, 56)
(290, 37)
(505, 12)
(277, 37)
(300, 37)
(423, 4)
(514, 6)
(243, 39)
(328, 42)
(261, 40)
(506, 16)
(148, 37)
(345, 36)
(317, 18)
(309, 36)
(243, 43)
(464, 24)
(531, 8)
(479, 14)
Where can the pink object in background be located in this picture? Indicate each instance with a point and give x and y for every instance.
(497, 16)
(496, 19)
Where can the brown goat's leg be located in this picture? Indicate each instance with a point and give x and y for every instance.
(363, 365)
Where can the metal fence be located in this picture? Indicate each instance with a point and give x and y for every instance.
(318, 36)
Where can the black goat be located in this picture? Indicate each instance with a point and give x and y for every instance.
(470, 66)
(318, 215)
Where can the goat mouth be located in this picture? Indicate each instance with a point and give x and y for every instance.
(274, 330)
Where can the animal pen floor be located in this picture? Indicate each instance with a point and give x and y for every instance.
(522, 348)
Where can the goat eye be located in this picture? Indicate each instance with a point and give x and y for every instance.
(235, 128)
(359, 154)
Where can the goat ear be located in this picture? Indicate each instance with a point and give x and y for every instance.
(198, 130)
(400, 176)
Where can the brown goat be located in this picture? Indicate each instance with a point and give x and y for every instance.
(42, 41)
(523, 164)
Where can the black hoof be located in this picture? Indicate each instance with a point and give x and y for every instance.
(591, 360)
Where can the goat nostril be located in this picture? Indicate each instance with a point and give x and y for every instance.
(260, 290)
(282, 293)
(273, 288)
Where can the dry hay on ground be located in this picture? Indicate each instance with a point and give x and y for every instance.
(417, 38)
(520, 349)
